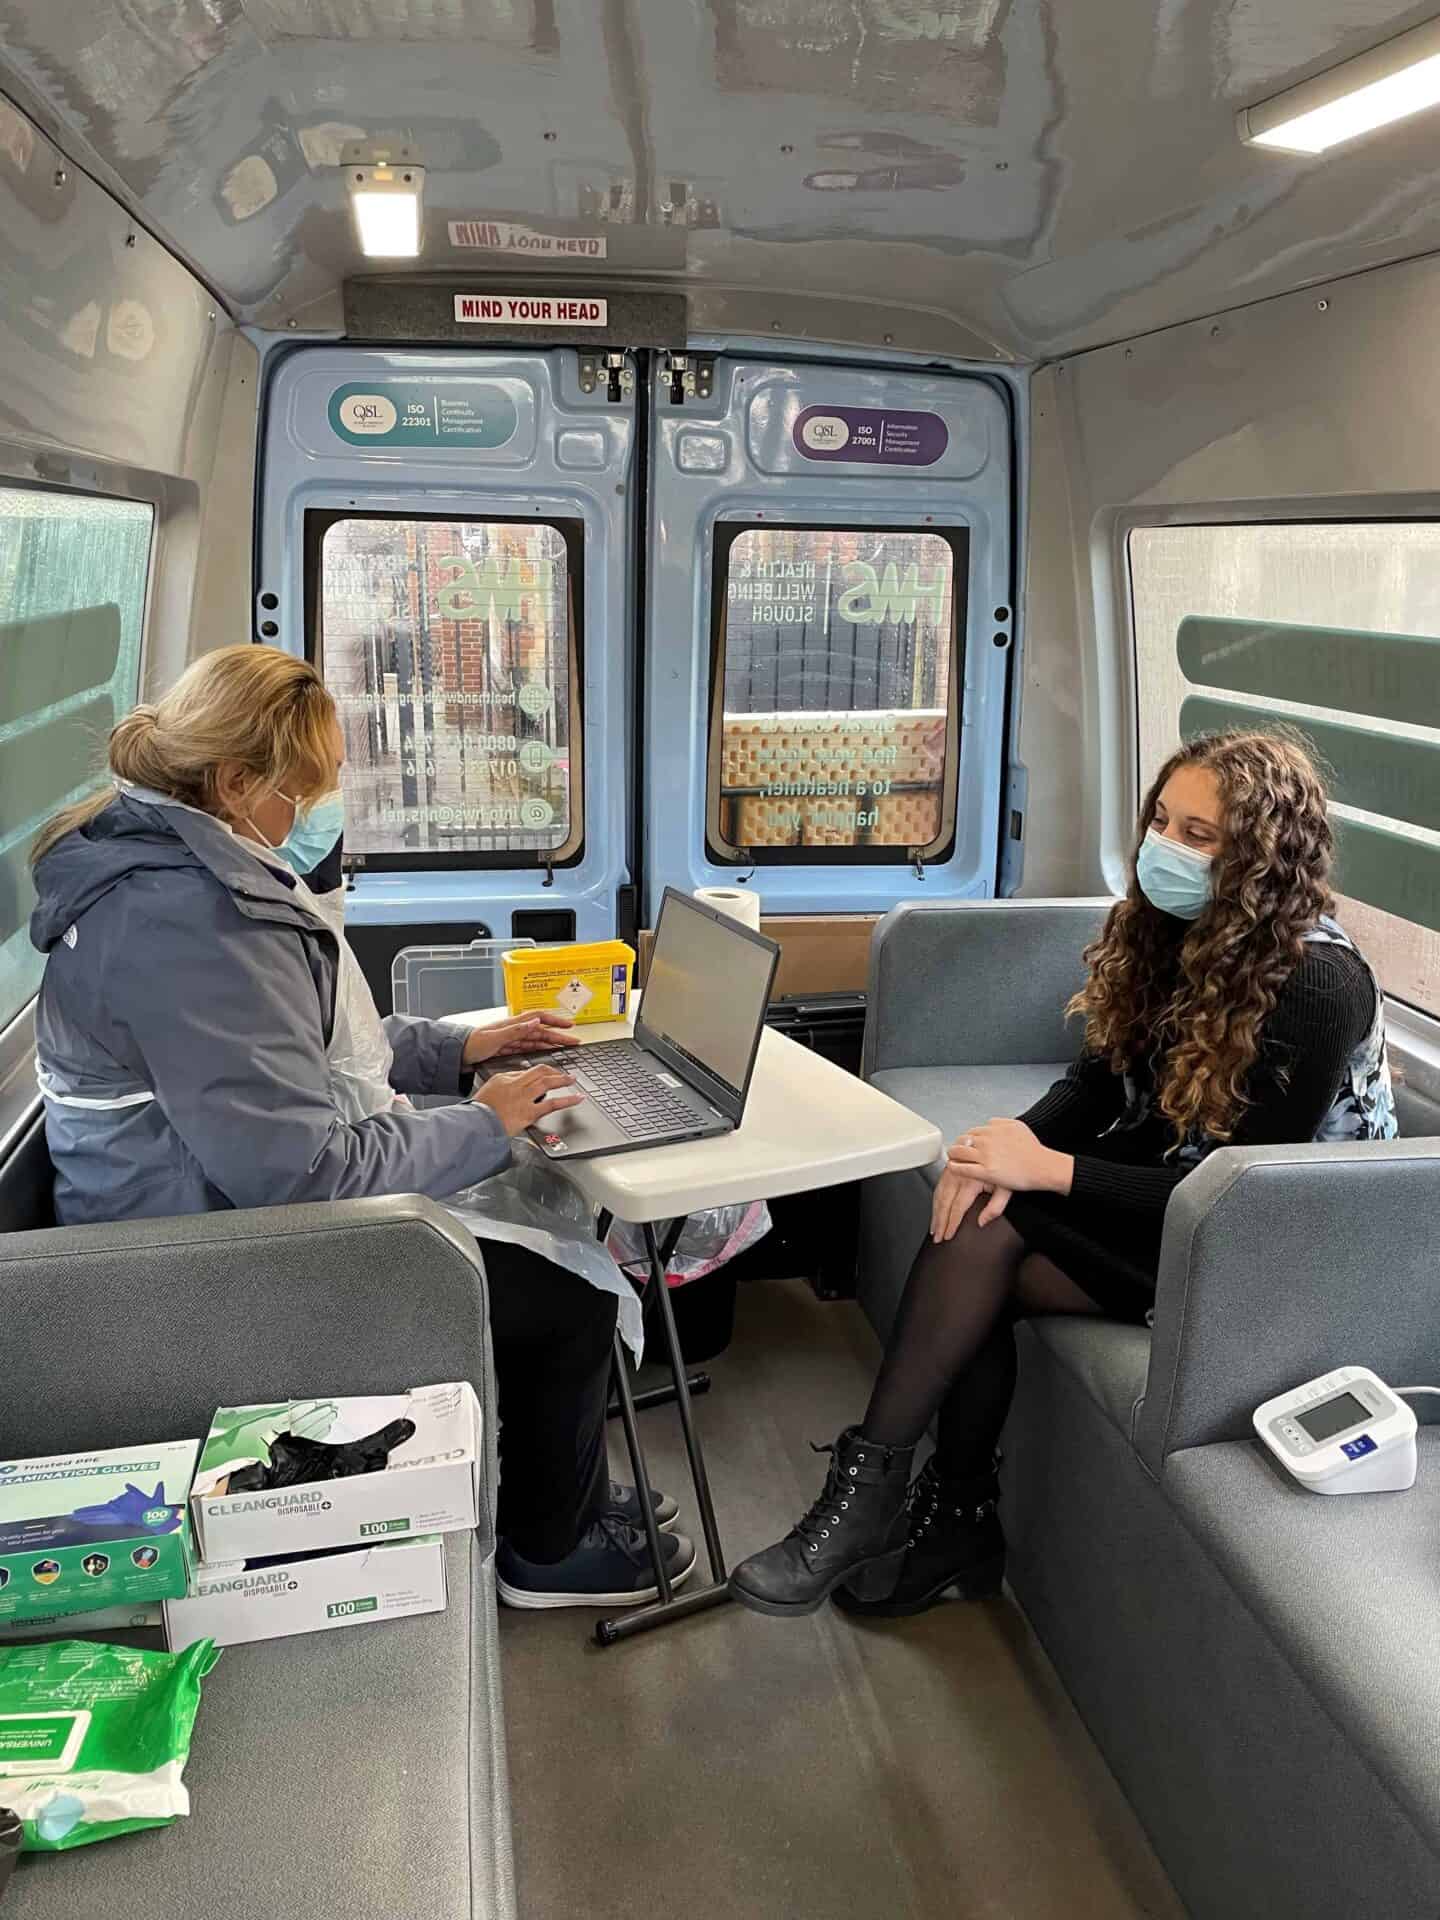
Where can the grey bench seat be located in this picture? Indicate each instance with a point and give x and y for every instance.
(957, 1097)
(351, 1775)
(1256, 1662)
(965, 1020)
(364, 1764)
(1349, 1592)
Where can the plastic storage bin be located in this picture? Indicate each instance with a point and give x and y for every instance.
(435, 981)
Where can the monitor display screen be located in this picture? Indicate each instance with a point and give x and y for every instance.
(707, 989)
(1333, 1416)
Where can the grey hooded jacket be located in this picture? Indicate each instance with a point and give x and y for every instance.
(181, 1030)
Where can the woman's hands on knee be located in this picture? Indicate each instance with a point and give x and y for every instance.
(1005, 1153)
(954, 1197)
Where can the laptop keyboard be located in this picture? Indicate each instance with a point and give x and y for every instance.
(624, 1088)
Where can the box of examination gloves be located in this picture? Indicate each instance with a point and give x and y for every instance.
(149, 1618)
(87, 1532)
(272, 1599)
(309, 1474)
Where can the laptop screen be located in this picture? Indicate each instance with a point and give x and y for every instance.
(707, 989)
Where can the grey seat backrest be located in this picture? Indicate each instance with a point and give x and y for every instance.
(145, 1328)
(1417, 1111)
(1279, 1263)
(977, 982)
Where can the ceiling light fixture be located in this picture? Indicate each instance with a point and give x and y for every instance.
(386, 196)
(1373, 90)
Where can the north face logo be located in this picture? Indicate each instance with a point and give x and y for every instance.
(71, 936)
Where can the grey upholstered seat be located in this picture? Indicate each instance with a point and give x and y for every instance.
(1258, 1663)
(965, 1019)
(352, 1775)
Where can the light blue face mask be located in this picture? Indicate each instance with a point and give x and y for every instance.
(1173, 878)
(317, 826)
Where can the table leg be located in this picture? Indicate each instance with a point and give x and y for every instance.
(666, 1609)
(618, 1367)
(696, 1382)
(687, 1415)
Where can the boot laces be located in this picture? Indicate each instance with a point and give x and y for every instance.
(923, 1498)
(833, 1500)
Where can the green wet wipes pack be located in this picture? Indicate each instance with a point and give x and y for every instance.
(11, 1833)
(94, 1739)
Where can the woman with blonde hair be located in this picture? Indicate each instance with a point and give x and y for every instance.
(1223, 1006)
(185, 1038)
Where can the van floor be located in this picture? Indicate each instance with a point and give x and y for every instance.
(732, 1767)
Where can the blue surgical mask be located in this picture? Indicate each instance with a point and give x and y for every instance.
(317, 826)
(1174, 878)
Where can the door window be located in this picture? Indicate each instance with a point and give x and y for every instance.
(836, 692)
(452, 649)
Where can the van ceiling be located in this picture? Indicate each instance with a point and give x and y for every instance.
(1021, 178)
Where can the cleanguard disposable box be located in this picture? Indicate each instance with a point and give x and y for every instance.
(589, 980)
(85, 1532)
(235, 1604)
(431, 1484)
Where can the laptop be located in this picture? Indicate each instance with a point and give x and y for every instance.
(686, 1074)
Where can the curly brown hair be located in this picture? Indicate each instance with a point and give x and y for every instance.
(1196, 1001)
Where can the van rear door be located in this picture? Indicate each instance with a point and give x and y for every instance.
(446, 535)
(829, 633)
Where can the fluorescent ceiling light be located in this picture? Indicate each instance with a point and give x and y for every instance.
(1373, 90)
(386, 201)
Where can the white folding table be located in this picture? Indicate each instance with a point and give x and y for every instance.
(808, 1124)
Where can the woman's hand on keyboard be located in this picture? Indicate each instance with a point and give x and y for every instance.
(521, 1099)
(523, 1033)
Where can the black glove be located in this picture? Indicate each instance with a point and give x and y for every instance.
(10, 1833)
(297, 1462)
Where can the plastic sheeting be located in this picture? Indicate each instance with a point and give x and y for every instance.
(710, 1240)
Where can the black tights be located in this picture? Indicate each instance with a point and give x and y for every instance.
(952, 1348)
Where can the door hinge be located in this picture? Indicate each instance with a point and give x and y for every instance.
(613, 366)
(687, 373)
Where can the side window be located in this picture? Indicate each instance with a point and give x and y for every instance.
(836, 691)
(73, 570)
(1333, 628)
(452, 648)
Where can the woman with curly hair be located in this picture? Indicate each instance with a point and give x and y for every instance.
(1223, 1006)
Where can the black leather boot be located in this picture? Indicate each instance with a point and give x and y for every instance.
(855, 1531)
(955, 1546)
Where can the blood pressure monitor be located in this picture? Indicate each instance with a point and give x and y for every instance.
(1346, 1432)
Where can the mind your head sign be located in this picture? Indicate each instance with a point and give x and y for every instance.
(403, 308)
(530, 310)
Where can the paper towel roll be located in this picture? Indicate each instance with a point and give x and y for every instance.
(741, 903)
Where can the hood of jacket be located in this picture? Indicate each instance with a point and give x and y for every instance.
(135, 835)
